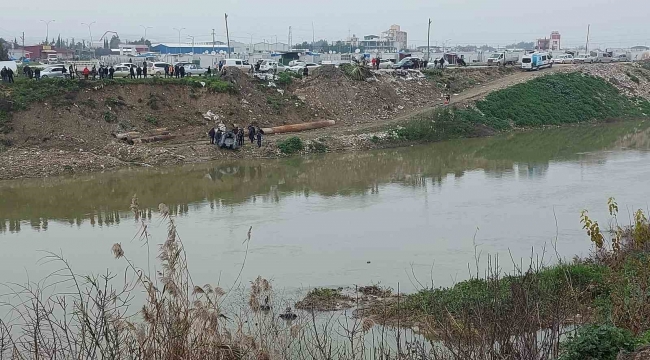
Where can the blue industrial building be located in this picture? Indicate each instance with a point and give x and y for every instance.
(188, 48)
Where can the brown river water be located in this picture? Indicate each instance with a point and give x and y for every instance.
(408, 216)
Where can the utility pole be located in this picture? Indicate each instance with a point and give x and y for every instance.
(313, 37)
(587, 44)
(429, 41)
(290, 42)
(179, 38)
(213, 40)
(23, 39)
(227, 35)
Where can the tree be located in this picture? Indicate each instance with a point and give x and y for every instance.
(106, 44)
(142, 41)
(522, 45)
(59, 43)
(4, 50)
(115, 42)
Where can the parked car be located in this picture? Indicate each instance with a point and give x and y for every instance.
(583, 59)
(193, 69)
(406, 63)
(238, 63)
(121, 71)
(385, 64)
(157, 68)
(270, 66)
(59, 72)
(621, 58)
(129, 65)
(300, 67)
(602, 57)
(563, 59)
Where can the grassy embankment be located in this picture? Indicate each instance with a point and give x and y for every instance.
(24, 92)
(555, 99)
(602, 303)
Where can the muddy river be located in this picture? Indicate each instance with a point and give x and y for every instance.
(410, 216)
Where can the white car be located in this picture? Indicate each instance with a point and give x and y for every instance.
(129, 65)
(121, 71)
(270, 66)
(238, 63)
(563, 59)
(300, 67)
(59, 72)
(157, 68)
(193, 69)
(385, 64)
(583, 59)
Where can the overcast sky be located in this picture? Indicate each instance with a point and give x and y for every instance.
(498, 22)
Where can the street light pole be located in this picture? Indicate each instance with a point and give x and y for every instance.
(91, 35)
(47, 29)
(145, 30)
(429, 42)
(179, 38)
(191, 37)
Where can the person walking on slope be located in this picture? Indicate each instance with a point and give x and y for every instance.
(251, 133)
(240, 136)
(259, 134)
(10, 75)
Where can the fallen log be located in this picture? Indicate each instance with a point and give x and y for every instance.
(136, 134)
(153, 139)
(299, 127)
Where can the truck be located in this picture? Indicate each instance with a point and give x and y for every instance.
(503, 58)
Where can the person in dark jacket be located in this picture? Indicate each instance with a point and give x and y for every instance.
(138, 71)
(111, 71)
(37, 74)
(181, 69)
(132, 72)
(144, 69)
(10, 75)
(259, 134)
(251, 133)
(240, 137)
(211, 134)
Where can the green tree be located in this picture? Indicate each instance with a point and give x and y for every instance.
(115, 42)
(106, 44)
(4, 50)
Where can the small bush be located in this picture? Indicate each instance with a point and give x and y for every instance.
(597, 342)
(109, 117)
(318, 147)
(291, 145)
(632, 77)
(151, 119)
(356, 71)
(375, 139)
(275, 101)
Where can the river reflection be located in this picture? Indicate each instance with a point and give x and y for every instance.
(104, 199)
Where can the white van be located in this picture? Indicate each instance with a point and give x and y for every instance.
(238, 63)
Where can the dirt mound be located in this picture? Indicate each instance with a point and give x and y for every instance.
(329, 72)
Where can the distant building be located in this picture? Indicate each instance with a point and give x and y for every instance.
(352, 41)
(391, 40)
(396, 36)
(41, 51)
(555, 40)
(198, 48)
(543, 44)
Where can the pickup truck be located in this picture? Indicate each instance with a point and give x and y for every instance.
(503, 59)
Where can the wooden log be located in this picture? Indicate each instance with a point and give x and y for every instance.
(126, 135)
(154, 139)
(299, 127)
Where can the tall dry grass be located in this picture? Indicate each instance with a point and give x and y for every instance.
(165, 315)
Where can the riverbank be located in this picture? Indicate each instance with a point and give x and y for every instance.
(73, 136)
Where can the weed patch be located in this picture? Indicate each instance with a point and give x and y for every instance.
(151, 119)
(291, 145)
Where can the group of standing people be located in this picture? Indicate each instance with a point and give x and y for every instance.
(439, 64)
(177, 71)
(7, 74)
(254, 134)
